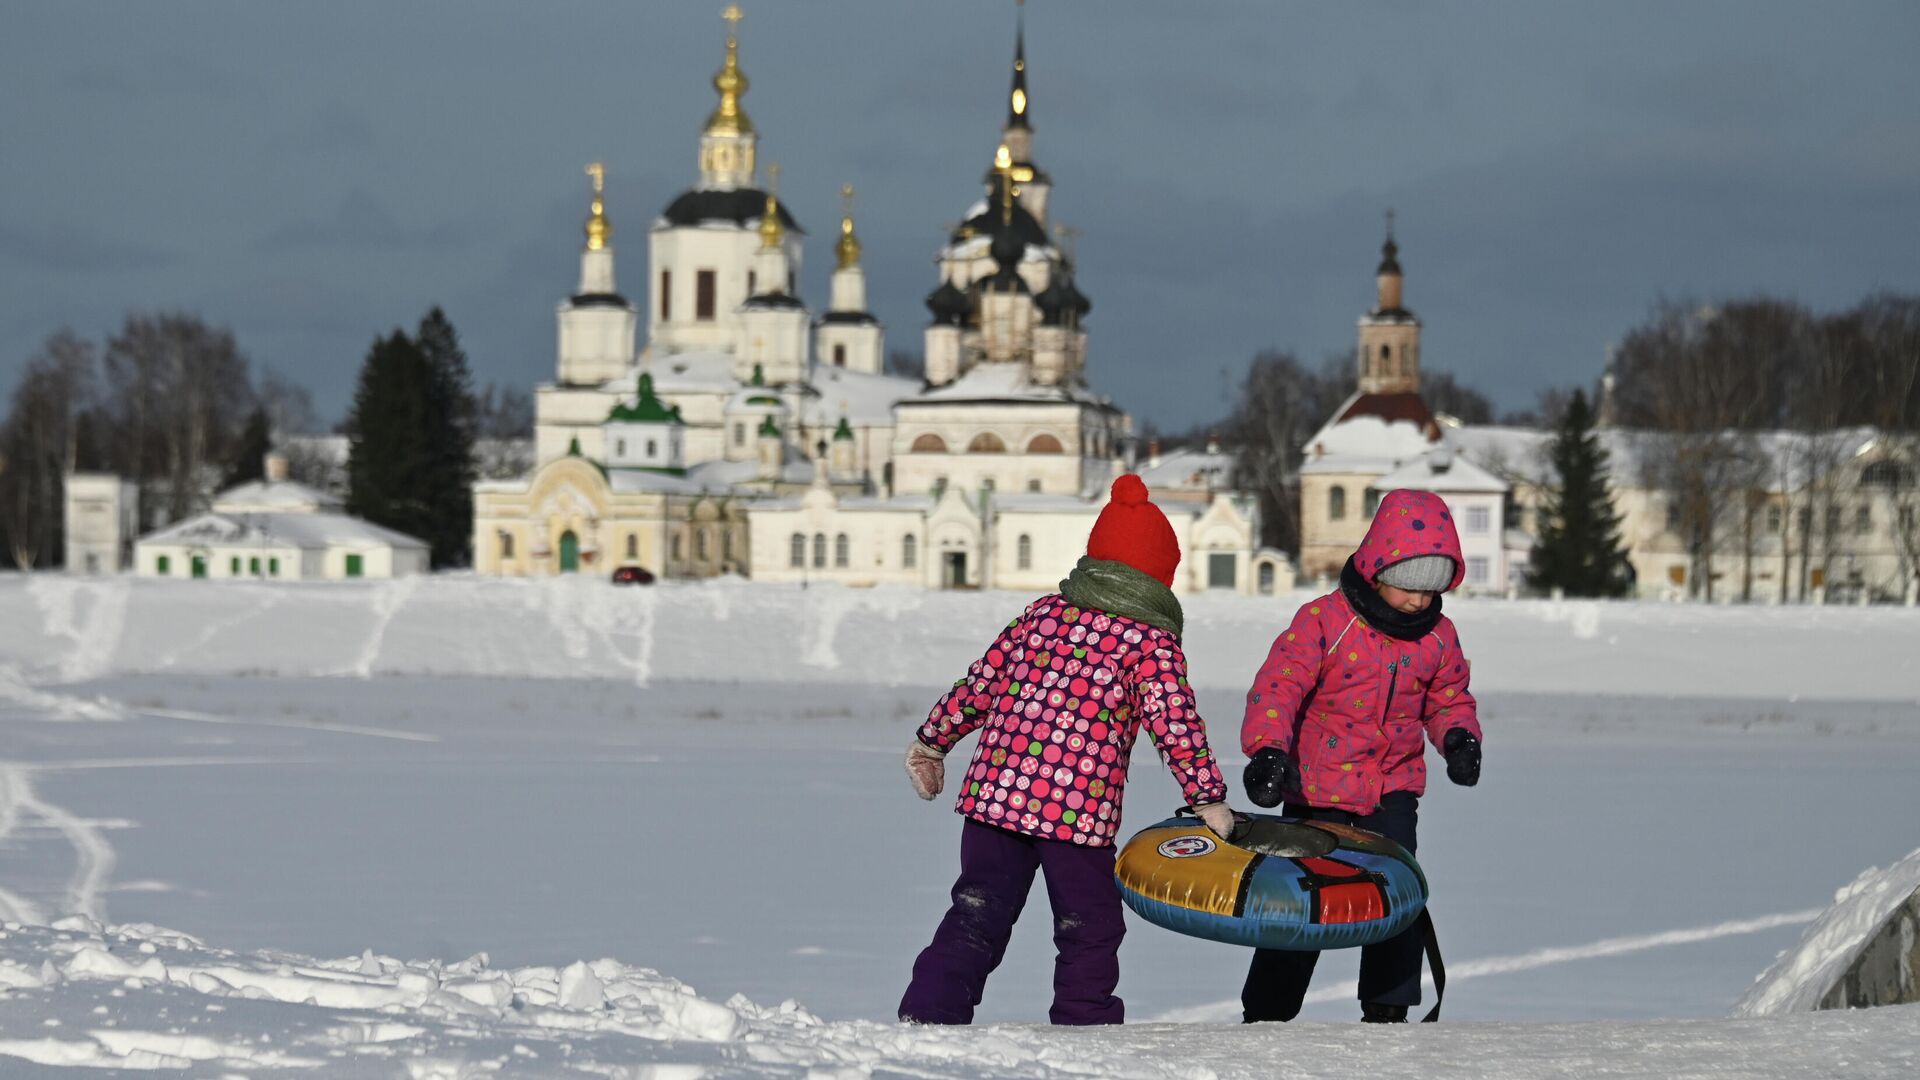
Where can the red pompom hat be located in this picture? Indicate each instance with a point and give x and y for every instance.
(1132, 530)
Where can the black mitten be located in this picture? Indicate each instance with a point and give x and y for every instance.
(1269, 776)
(1463, 757)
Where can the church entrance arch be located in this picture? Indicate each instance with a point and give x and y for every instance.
(569, 552)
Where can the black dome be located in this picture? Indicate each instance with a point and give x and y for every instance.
(948, 304)
(739, 206)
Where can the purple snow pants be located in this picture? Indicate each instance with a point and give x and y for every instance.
(996, 873)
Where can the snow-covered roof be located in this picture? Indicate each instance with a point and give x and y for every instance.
(1188, 468)
(281, 496)
(306, 530)
(1364, 439)
(686, 372)
(1787, 463)
(1022, 502)
(1005, 382)
(859, 504)
(1442, 470)
(865, 400)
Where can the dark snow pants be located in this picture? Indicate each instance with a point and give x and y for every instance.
(996, 873)
(1389, 971)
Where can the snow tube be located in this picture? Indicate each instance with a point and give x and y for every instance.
(1279, 883)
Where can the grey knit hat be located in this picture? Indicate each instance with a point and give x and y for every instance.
(1422, 573)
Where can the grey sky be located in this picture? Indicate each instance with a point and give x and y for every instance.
(314, 175)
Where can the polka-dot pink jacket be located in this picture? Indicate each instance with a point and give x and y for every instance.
(1060, 695)
(1354, 706)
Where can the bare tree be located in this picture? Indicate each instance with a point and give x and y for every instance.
(1280, 405)
(1445, 394)
(41, 443)
(180, 394)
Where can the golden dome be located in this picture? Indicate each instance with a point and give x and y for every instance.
(771, 230)
(848, 248)
(599, 229)
(728, 118)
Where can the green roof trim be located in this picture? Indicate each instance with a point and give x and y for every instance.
(573, 446)
(844, 431)
(763, 399)
(646, 409)
(759, 376)
(769, 428)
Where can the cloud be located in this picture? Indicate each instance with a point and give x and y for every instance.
(361, 222)
(63, 248)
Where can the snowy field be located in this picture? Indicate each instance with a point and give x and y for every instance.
(456, 791)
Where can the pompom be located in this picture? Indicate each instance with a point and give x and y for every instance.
(1129, 490)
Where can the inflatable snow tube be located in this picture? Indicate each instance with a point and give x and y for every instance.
(1280, 883)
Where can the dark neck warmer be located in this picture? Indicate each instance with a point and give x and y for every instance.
(1390, 621)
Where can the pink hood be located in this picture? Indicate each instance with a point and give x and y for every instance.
(1409, 523)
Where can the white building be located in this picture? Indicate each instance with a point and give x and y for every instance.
(1831, 514)
(275, 529)
(749, 435)
(1384, 437)
(102, 518)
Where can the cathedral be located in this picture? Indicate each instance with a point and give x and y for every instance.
(753, 436)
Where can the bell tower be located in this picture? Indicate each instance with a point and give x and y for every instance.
(1389, 355)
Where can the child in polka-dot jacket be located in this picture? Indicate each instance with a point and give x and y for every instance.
(1058, 699)
(1339, 715)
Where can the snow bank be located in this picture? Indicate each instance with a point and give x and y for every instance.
(65, 630)
(1803, 975)
(79, 995)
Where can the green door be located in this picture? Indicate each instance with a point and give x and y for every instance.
(569, 552)
(199, 566)
(1220, 570)
(354, 566)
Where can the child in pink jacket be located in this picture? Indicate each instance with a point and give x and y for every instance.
(1338, 718)
(1058, 699)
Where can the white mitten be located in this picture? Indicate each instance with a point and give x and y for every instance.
(1217, 817)
(927, 768)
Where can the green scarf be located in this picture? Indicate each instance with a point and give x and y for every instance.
(1119, 589)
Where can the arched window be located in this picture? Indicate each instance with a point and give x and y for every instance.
(679, 547)
(653, 448)
(700, 544)
(1044, 443)
(986, 443)
(1025, 550)
(506, 545)
(842, 551)
(1266, 579)
(1372, 501)
(726, 544)
(839, 356)
(797, 552)
(1336, 503)
(620, 448)
(929, 444)
(909, 551)
(633, 545)
(819, 551)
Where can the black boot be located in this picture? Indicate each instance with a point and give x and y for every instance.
(1372, 1012)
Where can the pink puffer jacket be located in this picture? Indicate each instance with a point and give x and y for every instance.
(1061, 694)
(1352, 705)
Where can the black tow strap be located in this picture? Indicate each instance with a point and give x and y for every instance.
(1434, 965)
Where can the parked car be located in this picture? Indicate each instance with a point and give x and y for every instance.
(632, 575)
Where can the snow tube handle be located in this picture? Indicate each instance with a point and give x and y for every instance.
(1240, 821)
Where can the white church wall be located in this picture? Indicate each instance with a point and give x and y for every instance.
(595, 344)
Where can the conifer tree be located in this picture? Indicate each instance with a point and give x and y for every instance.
(250, 456)
(1578, 548)
(390, 438)
(448, 485)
